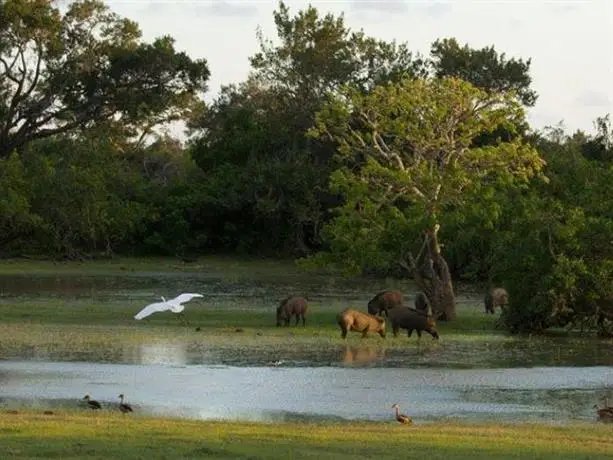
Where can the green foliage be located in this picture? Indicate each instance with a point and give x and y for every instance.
(484, 68)
(17, 219)
(553, 247)
(61, 73)
(414, 143)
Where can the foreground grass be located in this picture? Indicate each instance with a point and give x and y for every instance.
(97, 435)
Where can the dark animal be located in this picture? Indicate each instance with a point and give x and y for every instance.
(497, 297)
(385, 301)
(124, 407)
(402, 418)
(292, 306)
(352, 320)
(422, 303)
(91, 403)
(605, 414)
(411, 319)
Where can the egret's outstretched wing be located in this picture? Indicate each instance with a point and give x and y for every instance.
(184, 298)
(152, 308)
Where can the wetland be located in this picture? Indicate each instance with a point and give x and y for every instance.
(68, 329)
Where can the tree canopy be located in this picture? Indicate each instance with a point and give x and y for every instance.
(59, 73)
(340, 149)
(409, 159)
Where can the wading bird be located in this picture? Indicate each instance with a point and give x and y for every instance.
(124, 407)
(174, 305)
(92, 403)
(402, 418)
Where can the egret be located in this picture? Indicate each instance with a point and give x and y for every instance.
(174, 305)
(124, 407)
(92, 403)
(402, 418)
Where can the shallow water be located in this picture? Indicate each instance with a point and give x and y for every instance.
(276, 393)
(502, 379)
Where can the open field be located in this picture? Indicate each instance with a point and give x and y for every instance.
(98, 435)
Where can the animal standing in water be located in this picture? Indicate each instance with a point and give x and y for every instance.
(92, 404)
(124, 407)
(174, 305)
(402, 418)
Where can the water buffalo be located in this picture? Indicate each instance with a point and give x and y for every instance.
(497, 297)
(385, 301)
(409, 319)
(352, 320)
(292, 306)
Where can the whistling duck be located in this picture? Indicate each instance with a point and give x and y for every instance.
(402, 418)
(124, 407)
(91, 403)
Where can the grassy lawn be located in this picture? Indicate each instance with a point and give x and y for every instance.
(100, 435)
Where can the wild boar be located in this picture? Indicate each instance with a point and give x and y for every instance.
(497, 297)
(411, 319)
(292, 306)
(352, 320)
(385, 301)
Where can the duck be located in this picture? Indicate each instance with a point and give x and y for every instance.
(605, 414)
(92, 403)
(402, 418)
(124, 407)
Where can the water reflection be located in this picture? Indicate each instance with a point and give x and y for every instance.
(173, 353)
(306, 393)
(362, 355)
(541, 352)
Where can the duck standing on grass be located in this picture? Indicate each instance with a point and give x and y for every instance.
(124, 407)
(402, 418)
(92, 404)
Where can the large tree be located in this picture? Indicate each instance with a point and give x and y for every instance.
(410, 157)
(61, 72)
(253, 144)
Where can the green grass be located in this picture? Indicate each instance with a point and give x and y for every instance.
(102, 435)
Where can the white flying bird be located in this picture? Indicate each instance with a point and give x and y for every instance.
(174, 305)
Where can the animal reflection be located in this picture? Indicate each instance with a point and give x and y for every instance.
(361, 355)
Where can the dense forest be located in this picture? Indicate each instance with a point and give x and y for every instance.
(339, 150)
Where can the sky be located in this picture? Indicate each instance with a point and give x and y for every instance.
(570, 42)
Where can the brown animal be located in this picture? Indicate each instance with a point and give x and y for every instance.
(402, 418)
(352, 320)
(411, 319)
(497, 297)
(385, 301)
(292, 306)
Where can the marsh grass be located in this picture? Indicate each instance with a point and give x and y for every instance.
(29, 434)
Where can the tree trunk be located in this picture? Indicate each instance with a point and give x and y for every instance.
(433, 277)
